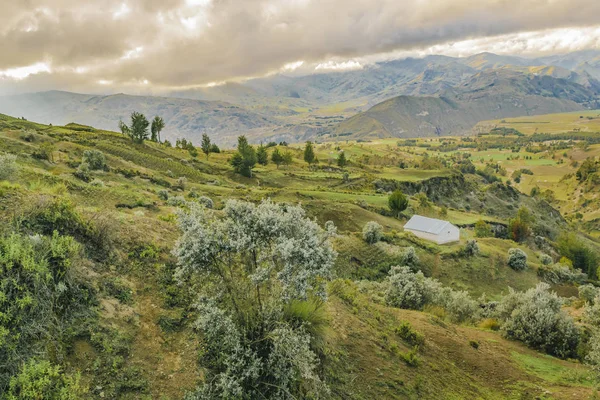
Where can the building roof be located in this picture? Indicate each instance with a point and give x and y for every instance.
(424, 224)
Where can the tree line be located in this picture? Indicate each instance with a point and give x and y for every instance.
(244, 159)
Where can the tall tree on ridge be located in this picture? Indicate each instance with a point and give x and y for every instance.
(157, 126)
(206, 145)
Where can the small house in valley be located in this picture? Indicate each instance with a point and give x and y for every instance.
(435, 230)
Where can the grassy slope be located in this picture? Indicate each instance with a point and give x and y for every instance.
(549, 123)
(362, 362)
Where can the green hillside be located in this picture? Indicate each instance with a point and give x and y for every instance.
(89, 222)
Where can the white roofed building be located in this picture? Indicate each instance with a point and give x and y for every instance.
(435, 230)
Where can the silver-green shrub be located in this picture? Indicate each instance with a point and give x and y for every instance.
(545, 259)
(95, 159)
(536, 318)
(588, 292)
(176, 201)
(206, 201)
(372, 232)
(163, 194)
(561, 273)
(409, 258)
(517, 259)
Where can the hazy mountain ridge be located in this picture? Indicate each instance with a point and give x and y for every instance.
(183, 117)
(492, 93)
(297, 108)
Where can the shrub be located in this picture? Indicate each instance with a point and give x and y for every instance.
(545, 259)
(411, 357)
(588, 292)
(593, 357)
(95, 159)
(48, 214)
(372, 232)
(517, 259)
(44, 151)
(591, 312)
(97, 183)
(471, 248)
(409, 258)
(490, 323)
(409, 335)
(163, 194)
(83, 172)
(40, 299)
(459, 306)
(560, 273)
(239, 372)
(206, 202)
(41, 380)
(535, 317)
(176, 201)
(409, 290)
(8, 166)
(180, 184)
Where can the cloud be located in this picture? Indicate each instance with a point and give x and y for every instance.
(180, 43)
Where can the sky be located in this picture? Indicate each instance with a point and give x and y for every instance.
(150, 46)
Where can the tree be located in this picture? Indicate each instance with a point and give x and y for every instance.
(583, 258)
(519, 227)
(206, 145)
(157, 126)
(138, 130)
(262, 156)
(276, 157)
(245, 159)
(309, 153)
(341, 161)
(397, 202)
(288, 158)
(259, 264)
(482, 229)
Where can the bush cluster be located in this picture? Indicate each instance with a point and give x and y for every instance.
(534, 317)
(561, 273)
(410, 290)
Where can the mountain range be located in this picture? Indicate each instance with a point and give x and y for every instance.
(406, 98)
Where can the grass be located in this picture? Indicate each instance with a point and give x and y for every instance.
(550, 123)
(143, 311)
(554, 370)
